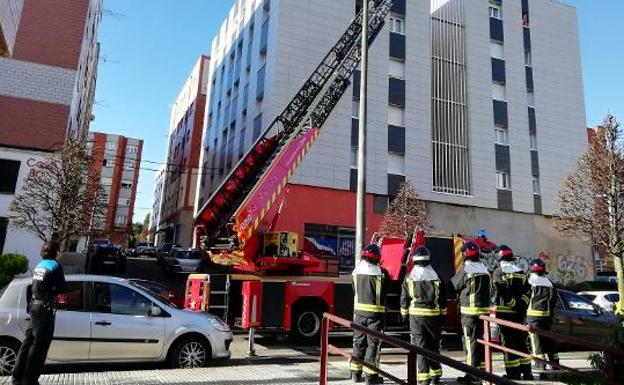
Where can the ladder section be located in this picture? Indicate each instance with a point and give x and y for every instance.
(310, 107)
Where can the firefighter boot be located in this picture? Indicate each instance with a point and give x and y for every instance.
(374, 379)
(469, 380)
(356, 377)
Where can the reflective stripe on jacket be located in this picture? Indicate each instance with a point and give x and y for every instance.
(472, 283)
(369, 290)
(543, 297)
(510, 290)
(425, 298)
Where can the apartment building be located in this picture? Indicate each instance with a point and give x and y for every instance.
(159, 179)
(48, 66)
(117, 160)
(479, 104)
(182, 168)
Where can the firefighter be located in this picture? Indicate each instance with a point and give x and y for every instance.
(423, 299)
(48, 281)
(543, 297)
(472, 283)
(369, 310)
(511, 300)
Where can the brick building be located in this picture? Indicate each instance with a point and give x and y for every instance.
(117, 160)
(48, 64)
(183, 152)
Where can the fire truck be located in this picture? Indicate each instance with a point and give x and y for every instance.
(259, 279)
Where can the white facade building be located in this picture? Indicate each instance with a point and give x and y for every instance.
(478, 103)
(15, 166)
(159, 180)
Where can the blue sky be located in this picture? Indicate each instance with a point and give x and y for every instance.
(148, 48)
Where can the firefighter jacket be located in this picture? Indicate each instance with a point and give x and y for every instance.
(543, 297)
(423, 294)
(510, 291)
(472, 283)
(369, 290)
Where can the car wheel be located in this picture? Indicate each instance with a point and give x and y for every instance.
(190, 352)
(306, 325)
(8, 357)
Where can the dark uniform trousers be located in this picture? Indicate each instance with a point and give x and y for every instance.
(34, 349)
(472, 328)
(366, 348)
(426, 333)
(542, 347)
(517, 340)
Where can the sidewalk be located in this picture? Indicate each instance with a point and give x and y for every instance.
(262, 371)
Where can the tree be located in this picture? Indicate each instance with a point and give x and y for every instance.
(591, 200)
(139, 232)
(62, 198)
(405, 213)
(144, 233)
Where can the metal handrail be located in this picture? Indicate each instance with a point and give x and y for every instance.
(488, 345)
(412, 350)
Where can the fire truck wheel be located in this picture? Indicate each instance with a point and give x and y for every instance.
(307, 325)
(189, 352)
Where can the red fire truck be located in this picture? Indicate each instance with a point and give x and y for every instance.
(258, 277)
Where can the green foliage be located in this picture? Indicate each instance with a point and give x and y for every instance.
(598, 361)
(10, 266)
(591, 286)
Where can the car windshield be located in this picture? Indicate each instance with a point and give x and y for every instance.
(2, 290)
(613, 297)
(589, 297)
(154, 290)
(577, 303)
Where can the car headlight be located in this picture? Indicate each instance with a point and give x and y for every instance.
(219, 324)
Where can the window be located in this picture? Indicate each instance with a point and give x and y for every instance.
(533, 141)
(331, 240)
(4, 224)
(126, 185)
(380, 204)
(354, 152)
(502, 136)
(9, 171)
(396, 164)
(72, 298)
(396, 69)
(107, 181)
(531, 99)
(496, 12)
(355, 109)
(123, 202)
(613, 297)
(111, 145)
(503, 180)
(121, 220)
(528, 61)
(397, 24)
(499, 91)
(132, 149)
(536, 185)
(396, 116)
(496, 50)
(576, 303)
(117, 299)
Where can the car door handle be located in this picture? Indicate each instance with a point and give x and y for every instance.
(103, 323)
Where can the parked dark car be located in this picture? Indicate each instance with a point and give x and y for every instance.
(184, 260)
(145, 249)
(578, 317)
(106, 258)
(160, 290)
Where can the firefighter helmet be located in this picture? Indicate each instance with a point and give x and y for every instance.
(471, 251)
(538, 266)
(372, 253)
(504, 253)
(421, 254)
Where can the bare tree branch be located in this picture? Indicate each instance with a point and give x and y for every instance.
(405, 213)
(60, 196)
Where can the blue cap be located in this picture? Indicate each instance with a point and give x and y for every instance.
(481, 233)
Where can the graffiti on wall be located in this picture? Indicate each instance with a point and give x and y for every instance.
(565, 269)
(562, 269)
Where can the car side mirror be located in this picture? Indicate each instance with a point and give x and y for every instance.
(155, 311)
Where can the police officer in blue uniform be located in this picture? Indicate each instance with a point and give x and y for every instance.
(48, 281)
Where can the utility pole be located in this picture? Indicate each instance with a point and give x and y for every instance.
(360, 208)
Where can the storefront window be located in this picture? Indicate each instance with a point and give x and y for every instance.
(331, 241)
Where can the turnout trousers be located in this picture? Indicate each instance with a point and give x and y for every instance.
(542, 347)
(517, 340)
(472, 328)
(38, 337)
(426, 333)
(366, 348)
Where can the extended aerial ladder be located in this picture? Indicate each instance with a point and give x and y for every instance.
(225, 226)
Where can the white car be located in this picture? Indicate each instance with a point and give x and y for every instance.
(109, 319)
(605, 299)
